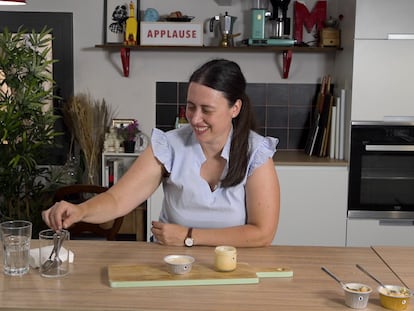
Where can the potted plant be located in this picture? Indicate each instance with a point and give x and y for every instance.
(128, 135)
(27, 121)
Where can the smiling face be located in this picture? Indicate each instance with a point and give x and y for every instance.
(209, 114)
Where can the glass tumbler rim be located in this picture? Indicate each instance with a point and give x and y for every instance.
(10, 224)
(48, 233)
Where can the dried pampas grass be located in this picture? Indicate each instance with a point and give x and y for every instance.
(88, 120)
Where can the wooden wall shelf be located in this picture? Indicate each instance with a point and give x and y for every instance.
(287, 52)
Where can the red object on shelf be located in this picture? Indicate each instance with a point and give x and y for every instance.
(308, 19)
(125, 60)
(287, 59)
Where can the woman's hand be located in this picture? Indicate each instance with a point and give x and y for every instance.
(62, 215)
(169, 234)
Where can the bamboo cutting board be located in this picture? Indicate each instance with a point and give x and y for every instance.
(157, 275)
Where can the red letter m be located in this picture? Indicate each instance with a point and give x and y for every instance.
(304, 18)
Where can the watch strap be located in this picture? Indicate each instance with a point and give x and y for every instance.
(190, 233)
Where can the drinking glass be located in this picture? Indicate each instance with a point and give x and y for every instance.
(15, 236)
(53, 256)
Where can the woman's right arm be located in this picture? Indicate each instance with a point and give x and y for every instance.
(135, 186)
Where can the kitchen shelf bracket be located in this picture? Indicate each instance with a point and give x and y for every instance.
(125, 56)
(287, 59)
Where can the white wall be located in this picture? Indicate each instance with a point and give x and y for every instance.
(99, 72)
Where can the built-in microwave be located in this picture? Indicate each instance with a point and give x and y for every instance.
(381, 170)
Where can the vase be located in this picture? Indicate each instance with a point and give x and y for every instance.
(129, 146)
(71, 170)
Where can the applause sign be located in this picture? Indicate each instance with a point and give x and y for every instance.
(171, 34)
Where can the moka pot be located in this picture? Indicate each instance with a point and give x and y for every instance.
(226, 23)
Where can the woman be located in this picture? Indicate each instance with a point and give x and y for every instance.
(220, 184)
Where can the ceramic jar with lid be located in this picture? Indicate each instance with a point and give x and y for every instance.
(225, 258)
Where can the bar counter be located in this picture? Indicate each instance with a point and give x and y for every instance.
(87, 286)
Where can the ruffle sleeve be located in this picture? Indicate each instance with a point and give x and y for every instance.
(162, 148)
(265, 150)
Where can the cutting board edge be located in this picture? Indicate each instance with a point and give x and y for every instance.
(275, 274)
(127, 284)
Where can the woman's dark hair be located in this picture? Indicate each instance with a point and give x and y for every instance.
(226, 76)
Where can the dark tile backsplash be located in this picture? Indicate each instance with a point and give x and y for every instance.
(281, 110)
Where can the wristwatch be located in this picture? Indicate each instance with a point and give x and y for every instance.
(189, 241)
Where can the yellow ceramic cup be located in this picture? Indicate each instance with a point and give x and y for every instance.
(394, 297)
(225, 258)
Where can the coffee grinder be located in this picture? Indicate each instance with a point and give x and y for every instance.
(260, 14)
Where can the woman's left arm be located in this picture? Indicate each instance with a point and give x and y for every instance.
(262, 207)
(263, 203)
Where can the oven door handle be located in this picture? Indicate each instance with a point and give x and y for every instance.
(389, 147)
(396, 222)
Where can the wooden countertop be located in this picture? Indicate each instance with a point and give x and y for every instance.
(298, 158)
(399, 260)
(87, 287)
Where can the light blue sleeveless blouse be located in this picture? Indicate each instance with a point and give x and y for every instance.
(188, 199)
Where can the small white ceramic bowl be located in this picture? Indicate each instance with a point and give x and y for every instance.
(357, 295)
(179, 264)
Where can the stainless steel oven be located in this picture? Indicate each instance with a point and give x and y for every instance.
(381, 170)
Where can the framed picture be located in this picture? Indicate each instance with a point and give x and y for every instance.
(118, 123)
(116, 13)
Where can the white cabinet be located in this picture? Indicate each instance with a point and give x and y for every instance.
(125, 161)
(135, 221)
(313, 205)
(367, 232)
(375, 19)
(154, 208)
(382, 61)
(382, 78)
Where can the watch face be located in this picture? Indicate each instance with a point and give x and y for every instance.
(151, 15)
(189, 242)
